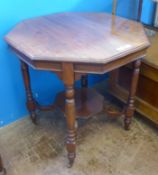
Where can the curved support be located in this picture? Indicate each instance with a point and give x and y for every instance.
(68, 78)
(129, 111)
(31, 104)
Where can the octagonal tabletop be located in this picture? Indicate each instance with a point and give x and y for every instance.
(77, 37)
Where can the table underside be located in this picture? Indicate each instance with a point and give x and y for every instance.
(84, 102)
(81, 68)
(88, 102)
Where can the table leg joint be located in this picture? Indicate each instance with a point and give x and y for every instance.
(129, 111)
(31, 104)
(68, 78)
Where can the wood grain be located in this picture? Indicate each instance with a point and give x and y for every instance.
(142, 106)
(74, 44)
(132, 92)
(30, 103)
(88, 102)
(78, 37)
(147, 96)
(70, 110)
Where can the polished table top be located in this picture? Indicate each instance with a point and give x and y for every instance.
(77, 37)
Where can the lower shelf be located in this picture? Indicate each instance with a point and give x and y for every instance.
(88, 102)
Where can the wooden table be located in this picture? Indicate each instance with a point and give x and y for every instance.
(73, 45)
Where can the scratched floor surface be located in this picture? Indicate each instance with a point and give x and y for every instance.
(104, 147)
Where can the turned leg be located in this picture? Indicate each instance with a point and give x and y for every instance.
(129, 111)
(71, 126)
(31, 104)
(84, 81)
(68, 78)
(2, 170)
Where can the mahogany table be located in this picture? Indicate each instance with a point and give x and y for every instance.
(73, 45)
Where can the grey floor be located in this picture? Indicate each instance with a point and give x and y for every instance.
(103, 147)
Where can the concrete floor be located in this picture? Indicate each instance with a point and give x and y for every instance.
(104, 147)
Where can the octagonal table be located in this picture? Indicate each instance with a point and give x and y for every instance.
(73, 45)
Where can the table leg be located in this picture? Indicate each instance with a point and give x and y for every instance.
(2, 170)
(84, 81)
(31, 104)
(68, 78)
(129, 111)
